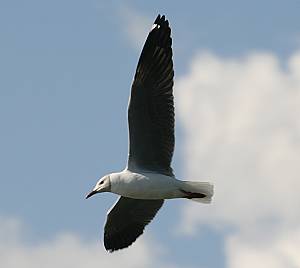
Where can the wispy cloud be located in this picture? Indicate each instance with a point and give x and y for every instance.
(241, 127)
(281, 252)
(69, 250)
(135, 26)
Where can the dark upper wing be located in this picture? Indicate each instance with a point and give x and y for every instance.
(151, 106)
(126, 221)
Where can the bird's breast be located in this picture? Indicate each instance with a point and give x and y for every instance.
(145, 186)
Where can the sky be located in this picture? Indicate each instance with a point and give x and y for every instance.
(66, 68)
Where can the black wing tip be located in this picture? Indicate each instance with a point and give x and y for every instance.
(119, 241)
(161, 21)
(116, 247)
(161, 32)
(157, 19)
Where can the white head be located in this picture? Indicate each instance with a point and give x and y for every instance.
(103, 185)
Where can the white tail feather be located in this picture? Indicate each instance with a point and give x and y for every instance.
(195, 187)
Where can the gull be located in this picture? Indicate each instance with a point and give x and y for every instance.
(148, 178)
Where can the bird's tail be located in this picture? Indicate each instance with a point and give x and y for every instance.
(197, 191)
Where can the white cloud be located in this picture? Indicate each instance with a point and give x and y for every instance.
(135, 26)
(282, 252)
(240, 119)
(68, 250)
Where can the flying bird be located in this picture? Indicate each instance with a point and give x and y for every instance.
(148, 178)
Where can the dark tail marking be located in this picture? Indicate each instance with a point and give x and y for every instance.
(190, 195)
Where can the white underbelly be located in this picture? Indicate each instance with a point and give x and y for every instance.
(146, 186)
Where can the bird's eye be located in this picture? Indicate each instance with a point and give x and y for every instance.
(101, 182)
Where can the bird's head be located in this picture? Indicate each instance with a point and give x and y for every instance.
(103, 185)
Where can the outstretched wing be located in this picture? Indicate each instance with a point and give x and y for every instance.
(151, 105)
(126, 221)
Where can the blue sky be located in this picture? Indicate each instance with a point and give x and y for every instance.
(66, 69)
